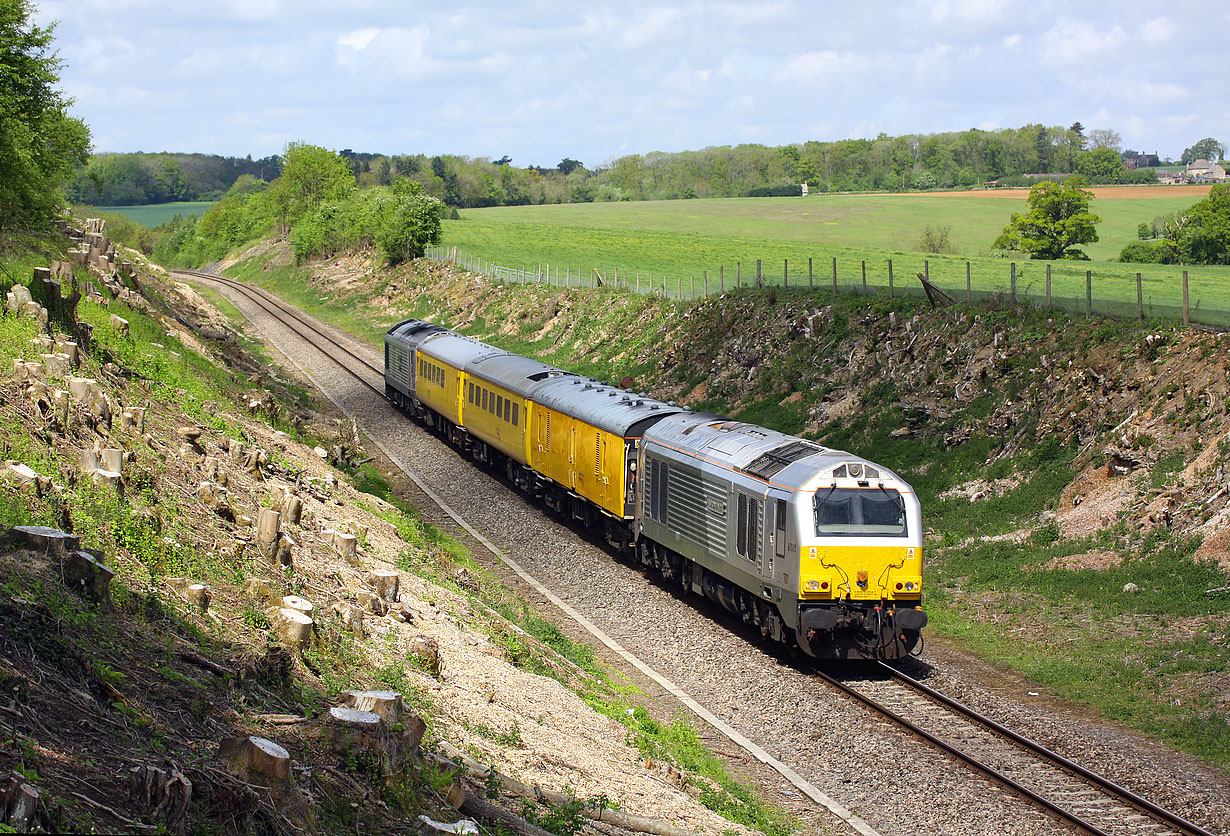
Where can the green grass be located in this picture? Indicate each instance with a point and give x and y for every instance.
(157, 214)
(681, 240)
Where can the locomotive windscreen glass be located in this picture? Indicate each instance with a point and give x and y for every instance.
(853, 512)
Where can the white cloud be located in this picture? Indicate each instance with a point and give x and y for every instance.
(1159, 30)
(359, 38)
(816, 67)
(1082, 42)
(650, 28)
(968, 11)
(1011, 41)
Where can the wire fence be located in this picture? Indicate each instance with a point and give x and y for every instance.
(1071, 287)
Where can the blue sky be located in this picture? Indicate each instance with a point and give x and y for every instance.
(543, 80)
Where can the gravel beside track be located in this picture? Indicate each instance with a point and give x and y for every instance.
(899, 785)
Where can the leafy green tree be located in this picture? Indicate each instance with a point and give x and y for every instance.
(568, 165)
(409, 221)
(1205, 236)
(1102, 165)
(40, 144)
(1206, 149)
(1057, 220)
(311, 175)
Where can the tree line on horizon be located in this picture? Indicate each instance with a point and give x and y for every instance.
(961, 159)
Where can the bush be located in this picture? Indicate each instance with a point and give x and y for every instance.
(789, 190)
(1149, 252)
(935, 240)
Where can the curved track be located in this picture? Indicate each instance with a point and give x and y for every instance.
(1056, 785)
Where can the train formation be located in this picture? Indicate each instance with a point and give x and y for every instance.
(814, 547)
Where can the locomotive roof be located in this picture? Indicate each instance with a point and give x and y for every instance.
(609, 408)
(522, 375)
(758, 452)
(456, 350)
(413, 331)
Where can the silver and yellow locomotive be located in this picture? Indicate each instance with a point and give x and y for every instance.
(813, 546)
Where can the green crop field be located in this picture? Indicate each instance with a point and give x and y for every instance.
(157, 214)
(680, 240)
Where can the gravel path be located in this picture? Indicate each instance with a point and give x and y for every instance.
(899, 785)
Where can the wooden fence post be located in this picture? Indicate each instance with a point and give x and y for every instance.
(738, 274)
(692, 279)
(864, 277)
(969, 285)
(705, 282)
(785, 272)
(759, 275)
(1088, 293)
(810, 279)
(1048, 287)
(722, 278)
(1140, 300)
(1187, 320)
(890, 278)
(834, 274)
(1012, 281)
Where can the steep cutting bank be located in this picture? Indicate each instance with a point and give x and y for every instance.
(1072, 471)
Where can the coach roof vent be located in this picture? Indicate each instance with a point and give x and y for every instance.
(767, 465)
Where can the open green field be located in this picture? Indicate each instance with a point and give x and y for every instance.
(679, 240)
(157, 214)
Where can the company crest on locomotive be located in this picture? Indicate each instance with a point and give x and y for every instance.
(813, 546)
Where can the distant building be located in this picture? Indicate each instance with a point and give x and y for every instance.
(1205, 171)
(1141, 161)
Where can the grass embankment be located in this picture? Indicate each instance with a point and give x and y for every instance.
(154, 529)
(1022, 425)
(682, 239)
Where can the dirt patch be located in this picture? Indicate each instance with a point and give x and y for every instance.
(1093, 501)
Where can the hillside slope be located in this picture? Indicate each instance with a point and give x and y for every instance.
(1072, 471)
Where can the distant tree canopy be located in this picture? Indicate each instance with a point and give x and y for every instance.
(138, 179)
(1206, 149)
(1058, 219)
(40, 144)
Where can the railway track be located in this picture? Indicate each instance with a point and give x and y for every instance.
(1061, 788)
(1058, 786)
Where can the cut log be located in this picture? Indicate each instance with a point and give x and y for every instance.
(385, 583)
(293, 627)
(113, 460)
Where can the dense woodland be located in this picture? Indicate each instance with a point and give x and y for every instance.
(916, 161)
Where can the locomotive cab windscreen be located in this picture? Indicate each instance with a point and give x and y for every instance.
(860, 512)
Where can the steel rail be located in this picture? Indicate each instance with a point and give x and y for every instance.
(966, 758)
(1105, 784)
(277, 308)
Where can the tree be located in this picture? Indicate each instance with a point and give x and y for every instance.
(40, 144)
(409, 221)
(310, 176)
(1102, 165)
(1057, 220)
(1204, 236)
(1206, 149)
(1078, 136)
(1105, 138)
(568, 165)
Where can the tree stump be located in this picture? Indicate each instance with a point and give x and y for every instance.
(21, 803)
(113, 460)
(162, 792)
(39, 538)
(364, 737)
(267, 533)
(351, 617)
(390, 707)
(293, 627)
(346, 545)
(198, 594)
(258, 761)
(426, 651)
(294, 602)
(385, 583)
(371, 602)
(259, 588)
(292, 508)
(285, 551)
(86, 574)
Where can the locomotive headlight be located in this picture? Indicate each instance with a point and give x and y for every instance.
(813, 586)
(856, 470)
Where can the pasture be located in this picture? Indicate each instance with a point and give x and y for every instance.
(675, 240)
(157, 214)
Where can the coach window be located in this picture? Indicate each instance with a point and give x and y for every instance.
(484, 403)
(516, 409)
(499, 405)
(507, 409)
